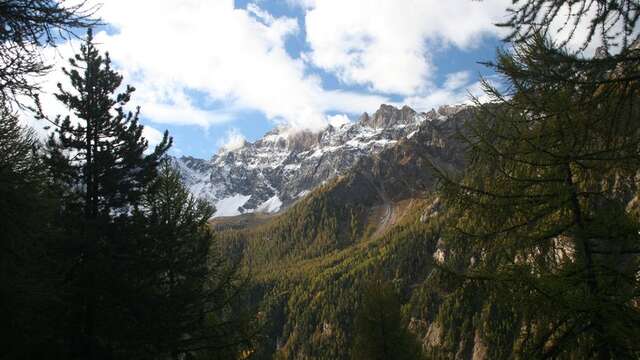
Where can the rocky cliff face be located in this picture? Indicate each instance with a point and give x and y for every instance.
(271, 173)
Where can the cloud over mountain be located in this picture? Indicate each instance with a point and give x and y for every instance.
(236, 58)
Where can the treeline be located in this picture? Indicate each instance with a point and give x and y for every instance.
(349, 301)
(533, 251)
(315, 226)
(105, 254)
(538, 245)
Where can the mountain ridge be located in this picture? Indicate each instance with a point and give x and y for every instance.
(382, 216)
(273, 172)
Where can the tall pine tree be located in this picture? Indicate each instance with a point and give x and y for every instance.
(100, 146)
(97, 159)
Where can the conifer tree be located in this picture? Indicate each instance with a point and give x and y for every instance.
(613, 22)
(100, 146)
(545, 215)
(379, 330)
(27, 27)
(96, 157)
(196, 302)
(26, 286)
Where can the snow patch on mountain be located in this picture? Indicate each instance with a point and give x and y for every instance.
(230, 206)
(271, 206)
(270, 174)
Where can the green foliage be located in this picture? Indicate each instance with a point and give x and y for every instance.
(27, 27)
(109, 258)
(27, 275)
(607, 20)
(100, 146)
(186, 286)
(539, 217)
(379, 330)
(310, 302)
(22, 176)
(96, 161)
(315, 226)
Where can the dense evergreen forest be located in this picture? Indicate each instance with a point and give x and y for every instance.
(105, 254)
(510, 231)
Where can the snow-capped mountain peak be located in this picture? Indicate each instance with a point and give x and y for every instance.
(284, 165)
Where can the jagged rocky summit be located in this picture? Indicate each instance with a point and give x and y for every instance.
(283, 166)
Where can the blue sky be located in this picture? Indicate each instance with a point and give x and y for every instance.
(217, 72)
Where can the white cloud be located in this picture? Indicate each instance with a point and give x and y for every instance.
(181, 114)
(338, 120)
(387, 45)
(457, 89)
(303, 4)
(232, 140)
(48, 84)
(153, 135)
(236, 57)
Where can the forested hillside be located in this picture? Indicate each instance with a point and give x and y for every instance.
(380, 223)
(504, 228)
(506, 231)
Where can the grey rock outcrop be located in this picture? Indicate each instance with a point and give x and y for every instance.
(284, 165)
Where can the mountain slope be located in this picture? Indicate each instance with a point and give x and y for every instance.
(272, 173)
(310, 262)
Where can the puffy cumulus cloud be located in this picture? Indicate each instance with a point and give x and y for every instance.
(232, 140)
(153, 136)
(236, 57)
(387, 44)
(158, 100)
(338, 120)
(458, 88)
(181, 110)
